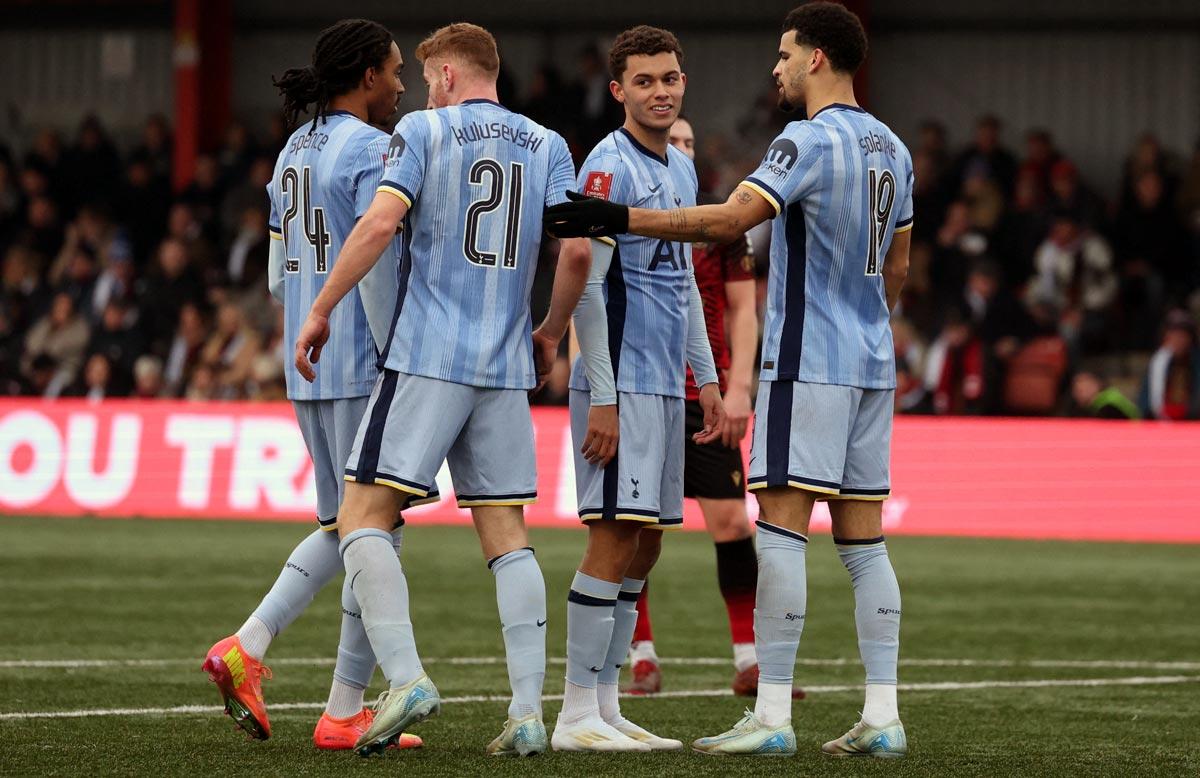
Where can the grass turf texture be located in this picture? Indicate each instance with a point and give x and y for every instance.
(95, 589)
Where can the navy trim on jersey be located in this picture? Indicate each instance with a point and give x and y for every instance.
(848, 491)
(341, 112)
(586, 599)
(903, 222)
(791, 337)
(401, 293)
(858, 541)
(629, 511)
(412, 198)
(779, 432)
(513, 496)
(675, 522)
(477, 100)
(327, 522)
(663, 160)
(841, 106)
(759, 183)
(787, 533)
(368, 458)
(615, 310)
(275, 228)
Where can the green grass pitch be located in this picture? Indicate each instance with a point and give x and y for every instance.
(996, 635)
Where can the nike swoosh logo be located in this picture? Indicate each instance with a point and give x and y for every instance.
(595, 669)
(654, 189)
(542, 623)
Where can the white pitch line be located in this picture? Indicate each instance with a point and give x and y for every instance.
(1117, 664)
(911, 687)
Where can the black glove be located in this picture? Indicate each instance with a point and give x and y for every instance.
(585, 217)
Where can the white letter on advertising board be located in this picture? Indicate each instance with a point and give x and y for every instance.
(28, 428)
(268, 461)
(199, 437)
(101, 490)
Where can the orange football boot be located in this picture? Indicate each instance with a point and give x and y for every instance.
(238, 677)
(647, 678)
(341, 734)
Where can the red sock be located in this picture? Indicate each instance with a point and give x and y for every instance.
(741, 616)
(642, 630)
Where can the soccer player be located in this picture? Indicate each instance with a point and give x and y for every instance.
(469, 180)
(324, 180)
(714, 474)
(639, 323)
(840, 188)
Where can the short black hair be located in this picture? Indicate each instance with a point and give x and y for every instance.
(832, 28)
(642, 39)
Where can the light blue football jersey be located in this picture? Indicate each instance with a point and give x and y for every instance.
(841, 184)
(324, 180)
(476, 177)
(646, 290)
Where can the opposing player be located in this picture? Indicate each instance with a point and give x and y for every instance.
(324, 180)
(639, 323)
(471, 178)
(713, 474)
(840, 188)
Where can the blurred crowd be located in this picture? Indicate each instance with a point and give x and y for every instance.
(1029, 292)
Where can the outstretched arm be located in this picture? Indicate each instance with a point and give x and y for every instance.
(367, 241)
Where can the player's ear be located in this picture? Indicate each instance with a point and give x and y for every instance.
(614, 87)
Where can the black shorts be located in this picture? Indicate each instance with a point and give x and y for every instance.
(713, 470)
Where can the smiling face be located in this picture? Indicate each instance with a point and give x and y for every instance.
(651, 89)
(384, 87)
(791, 71)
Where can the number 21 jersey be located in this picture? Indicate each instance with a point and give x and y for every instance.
(476, 177)
(841, 184)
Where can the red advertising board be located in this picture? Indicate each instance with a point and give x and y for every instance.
(1035, 478)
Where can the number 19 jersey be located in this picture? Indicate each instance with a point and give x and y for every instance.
(476, 177)
(841, 184)
(324, 180)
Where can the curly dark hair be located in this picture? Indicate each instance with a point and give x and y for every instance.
(832, 28)
(342, 53)
(642, 39)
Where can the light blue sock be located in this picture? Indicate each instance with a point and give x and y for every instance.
(624, 621)
(780, 602)
(521, 600)
(378, 583)
(876, 606)
(356, 661)
(312, 564)
(590, 623)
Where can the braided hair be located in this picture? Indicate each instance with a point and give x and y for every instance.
(342, 53)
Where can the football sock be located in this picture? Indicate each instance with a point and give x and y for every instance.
(880, 706)
(643, 632)
(607, 696)
(312, 564)
(590, 605)
(737, 577)
(579, 703)
(877, 617)
(624, 619)
(778, 619)
(521, 599)
(355, 660)
(255, 637)
(744, 656)
(378, 583)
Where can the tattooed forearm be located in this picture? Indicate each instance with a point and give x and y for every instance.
(743, 196)
(685, 227)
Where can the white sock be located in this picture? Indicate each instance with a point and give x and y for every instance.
(773, 708)
(610, 705)
(743, 656)
(579, 703)
(255, 637)
(643, 650)
(344, 700)
(880, 706)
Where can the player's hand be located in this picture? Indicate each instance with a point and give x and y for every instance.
(714, 414)
(603, 434)
(313, 335)
(737, 417)
(545, 353)
(585, 217)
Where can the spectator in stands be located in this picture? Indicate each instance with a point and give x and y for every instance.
(155, 149)
(1146, 156)
(202, 384)
(249, 192)
(75, 274)
(958, 243)
(22, 295)
(62, 334)
(1040, 156)
(119, 341)
(10, 201)
(910, 358)
(182, 225)
(1022, 230)
(932, 143)
(1092, 397)
(172, 283)
(43, 232)
(237, 152)
(185, 349)
(92, 164)
(1189, 212)
(141, 206)
(203, 194)
(47, 160)
(596, 112)
(954, 369)
(1000, 323)
(1075, 275)
(147, 377)
(246, 266)
(266, 383)
(95, 383)
(986, 157)
(116, 282)
(1068, 193)
(544, 103)
(1171, 387)
(230, 352)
